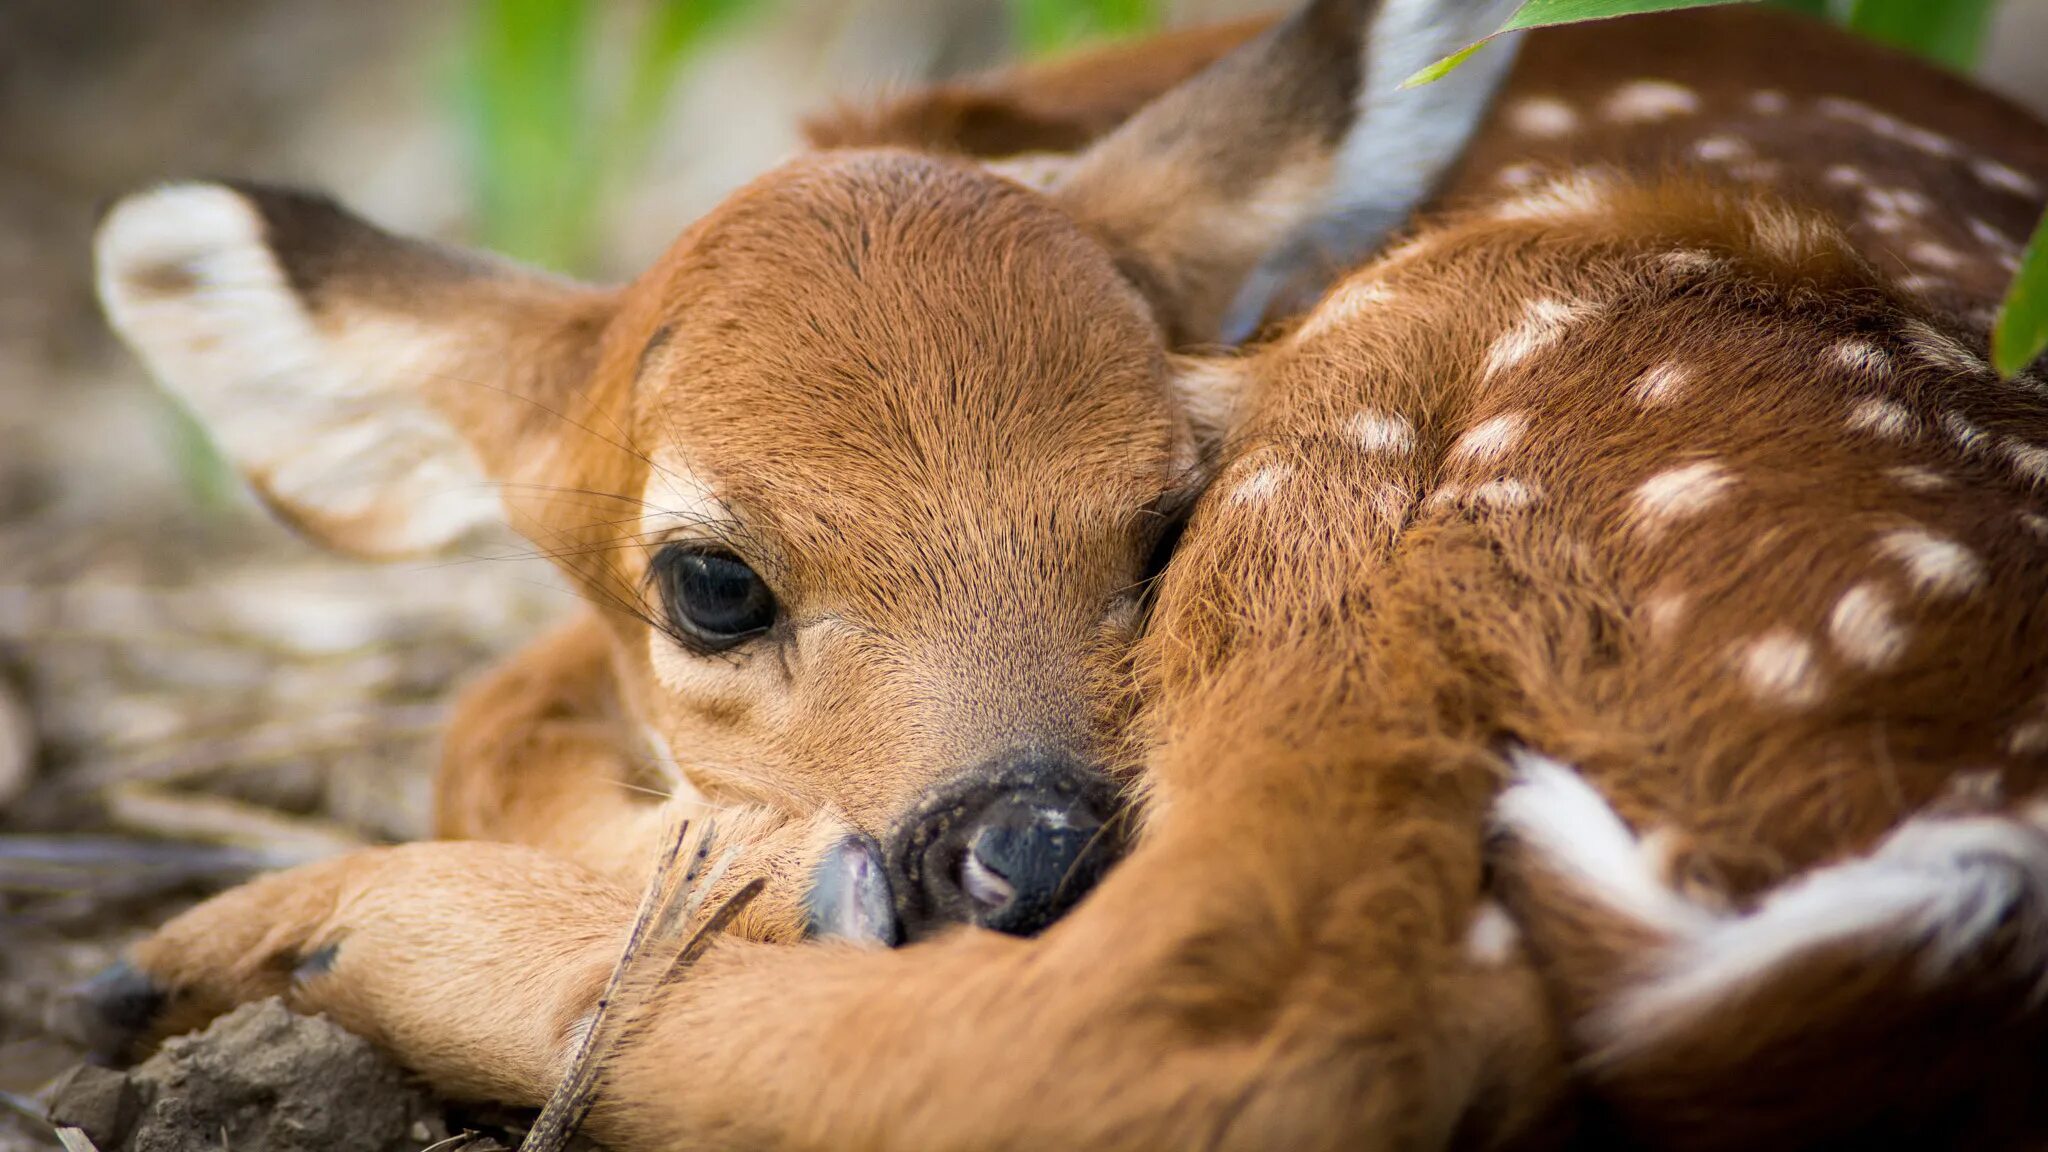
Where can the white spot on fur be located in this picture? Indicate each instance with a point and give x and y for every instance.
(1261, 485)
(1517, 176)
(1681, 492)
(1918, 478)
(1351, 301)
(1936, 565)
(1944, 891)
(1693, 260)
(1993, 174)
(1881, 418)
(1570, 829)
(1381, 432)
(2028, 739)
(1664, 613)
(1941, 350)
(1722, 149)
(1489, 440)
(2036, 523)
(1865, 629)
(1390, 504)
(1445, 496)
(1846, 176)
(1661, 384)
(1967, 436)
(1544, 117)
(1863, 356)
(1779, 668)
(1490, 941)
(1580, 194)
(1644, 101)
(1543, 324)
(1991, 237)
(1886, 127)
(1503, 495)
(1768, 102)
(1940, 257)
(2029, 460)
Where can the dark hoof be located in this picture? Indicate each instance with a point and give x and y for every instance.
(109, 1015)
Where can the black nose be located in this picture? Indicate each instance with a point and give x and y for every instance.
(1010, 845)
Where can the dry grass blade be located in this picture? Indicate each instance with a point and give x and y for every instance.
(75, 1140)
(652, 956)
(161, 812)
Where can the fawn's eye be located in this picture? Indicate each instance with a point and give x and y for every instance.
(714, 600)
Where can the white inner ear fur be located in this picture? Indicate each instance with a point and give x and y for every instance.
(329, 422)
(1401, 142)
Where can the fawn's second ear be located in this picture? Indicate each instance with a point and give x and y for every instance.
(379, 392)
(1283, 163)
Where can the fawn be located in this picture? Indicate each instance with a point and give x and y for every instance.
(1645, 542)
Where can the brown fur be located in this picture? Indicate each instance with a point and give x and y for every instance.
(1345, 643)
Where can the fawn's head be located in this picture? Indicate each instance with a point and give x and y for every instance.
(866, 473)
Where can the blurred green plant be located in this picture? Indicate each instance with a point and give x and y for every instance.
(1950, 32)
(550, 141)
(1040, 26)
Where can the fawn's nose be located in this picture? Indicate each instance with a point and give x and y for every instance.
(1010, 845)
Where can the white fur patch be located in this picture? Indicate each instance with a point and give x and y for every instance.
(1543, 323)
(1352, 301)
(1769, 102)
(1491, 940)
(1503, 495)
(1939, 890)
(2035, 523)
(1261, 485)
(1939, 257)
(1646, 101)
(2029, 460)
(1544, 117)
(1864, 628)
(1681, 492)
(1885, 126)
(1936, 565)
(1571, 829)
(1579, 194)
(1918, 478)
(1779, 668)
(1663, 614)
(337, 429)
(1967, 436)
(1881, 418)
(1661, 384)
(2005, 178)
(1942, 350)
(1490, 440)
(1380, 432)
(1862, 356)
(1722, 149)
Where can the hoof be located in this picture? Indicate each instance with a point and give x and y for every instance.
(110, 1015)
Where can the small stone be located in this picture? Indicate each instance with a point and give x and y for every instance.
(100, 1102)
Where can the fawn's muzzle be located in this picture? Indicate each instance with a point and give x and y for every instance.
(1010, 845)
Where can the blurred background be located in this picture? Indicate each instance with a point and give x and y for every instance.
(186, 691)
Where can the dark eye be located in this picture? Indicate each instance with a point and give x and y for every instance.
(714, 600)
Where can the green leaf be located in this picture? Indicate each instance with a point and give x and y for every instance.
(1544, 13)
(2022, 330)
(1947, 31)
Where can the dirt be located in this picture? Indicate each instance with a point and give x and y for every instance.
(259, 1077)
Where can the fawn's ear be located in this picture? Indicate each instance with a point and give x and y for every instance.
(1287, 160)
(377, 391)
